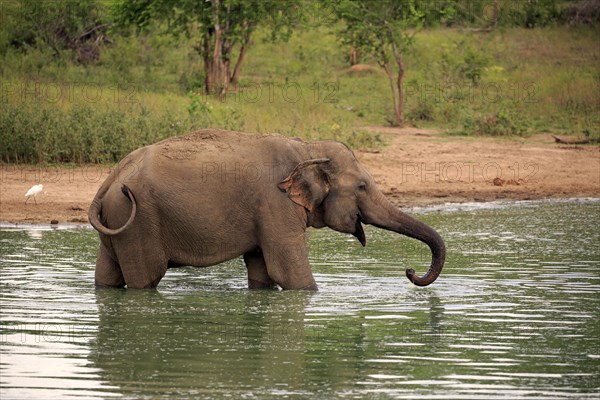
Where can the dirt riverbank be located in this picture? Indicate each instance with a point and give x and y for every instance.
(417, 167)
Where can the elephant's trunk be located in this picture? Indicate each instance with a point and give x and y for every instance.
(391, 218)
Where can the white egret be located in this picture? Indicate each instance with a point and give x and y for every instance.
(33, 191)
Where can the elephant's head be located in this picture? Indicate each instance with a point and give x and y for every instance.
(338, 192)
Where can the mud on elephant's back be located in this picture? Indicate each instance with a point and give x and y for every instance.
(191, 146)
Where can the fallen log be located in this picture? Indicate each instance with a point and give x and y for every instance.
(570, 141)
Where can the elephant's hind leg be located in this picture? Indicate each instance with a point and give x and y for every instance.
(108, 272)
(142, 261)
(258, 278)
(144, 272)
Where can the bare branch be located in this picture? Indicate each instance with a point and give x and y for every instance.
(90, 31)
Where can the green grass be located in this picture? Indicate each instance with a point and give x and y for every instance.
(510, 82)
(543, 79)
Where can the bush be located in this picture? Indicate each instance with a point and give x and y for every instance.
(32, 133)
(423, 111)
(363, 140)
(546, 77)
(502, 123)
(473, 65)
(77, 27)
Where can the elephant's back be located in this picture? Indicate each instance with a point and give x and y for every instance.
(213, 141)
(180, 148)
(228, 149)
(213, 160)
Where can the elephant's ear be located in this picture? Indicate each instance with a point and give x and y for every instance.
(308, 184)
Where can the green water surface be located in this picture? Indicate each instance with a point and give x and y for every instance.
(515, 314)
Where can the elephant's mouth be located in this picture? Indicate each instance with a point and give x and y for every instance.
(359, 232)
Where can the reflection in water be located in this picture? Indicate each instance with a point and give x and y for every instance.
(35, 233)
(189, 344)
(514, 315)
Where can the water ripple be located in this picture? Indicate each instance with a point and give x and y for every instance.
(513, 315)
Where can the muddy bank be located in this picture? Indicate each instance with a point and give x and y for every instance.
(417, 167)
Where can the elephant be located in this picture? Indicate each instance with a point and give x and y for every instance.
(214, 195)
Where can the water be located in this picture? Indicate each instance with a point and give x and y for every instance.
(515, 314)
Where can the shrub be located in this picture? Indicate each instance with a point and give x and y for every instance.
(502, 123)
(31, 133)
(362, 140)
(423, 111)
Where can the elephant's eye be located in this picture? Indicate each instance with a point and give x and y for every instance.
(362, 187)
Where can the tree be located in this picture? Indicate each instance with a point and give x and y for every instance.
(223, 29)
(77, 26)
(384, 29)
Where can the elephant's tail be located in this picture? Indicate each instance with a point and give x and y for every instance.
(96, 207)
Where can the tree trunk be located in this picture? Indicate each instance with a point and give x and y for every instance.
(217, 53)
(214, 67)
(238, 65)
(399, 100)
(215, 71)
(400, 109)
(495, 12)
(396, 101)
(353, 56)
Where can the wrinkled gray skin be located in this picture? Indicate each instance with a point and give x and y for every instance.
(214, 195)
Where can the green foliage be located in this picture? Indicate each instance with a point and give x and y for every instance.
(363, 140)
(221, 30)
(198, 106)
(529, 73)
(384, 30)
(74, 26)
(492, 13)
(461, 61)
(502, 123)
(196, 18)
(424, 110)
(508, 82)
(373, 25)
(473, 65)
(530, 14)
(34, 133)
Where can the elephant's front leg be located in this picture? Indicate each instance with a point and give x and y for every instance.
(287, 264)
(258, 278)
